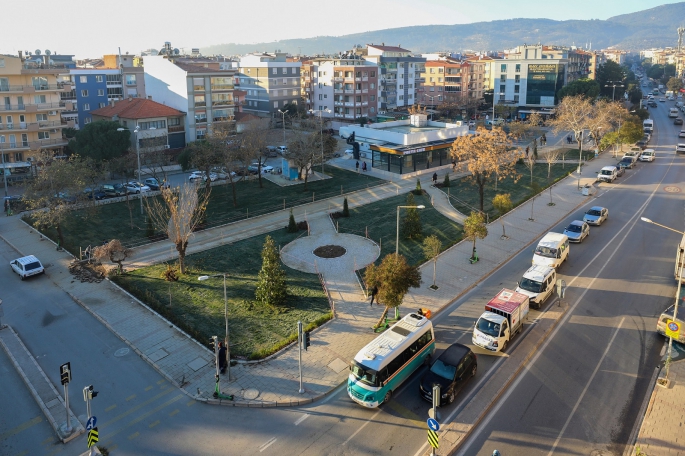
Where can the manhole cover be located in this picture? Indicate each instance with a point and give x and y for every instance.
(250, 393)
(121, 352)
(329, 251)
(672, 189)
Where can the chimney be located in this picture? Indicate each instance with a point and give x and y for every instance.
(149, 97)
(20, 56)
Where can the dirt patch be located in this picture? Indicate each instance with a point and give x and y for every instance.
(87, 272)
(330, 251)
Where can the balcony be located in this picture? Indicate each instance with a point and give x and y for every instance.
(348, 103)
(365, 90)
(34, 145)
(338, 103)
(337, 79)
(338, 114)
(176, 128)
(340, 90)
(364, 103)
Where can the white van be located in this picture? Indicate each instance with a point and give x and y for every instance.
(673, 112)
(538, 284)
(607, 174)
(648, 126)
(552, 250)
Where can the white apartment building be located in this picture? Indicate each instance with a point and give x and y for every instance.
(399, 75)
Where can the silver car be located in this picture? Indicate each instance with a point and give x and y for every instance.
(596, 215)
(577, 231)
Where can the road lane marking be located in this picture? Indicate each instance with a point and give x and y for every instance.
(174, 412)
(137, 407)
(190, 403)
(111, 407)
(153, 424)
(133, 436)
(403, 411)
(131, 397)
(144, 416)
(267, 444)
(526, 369)
(149, 388)
(302, 418)
(587, 386)
(159, 382)
(22, 427)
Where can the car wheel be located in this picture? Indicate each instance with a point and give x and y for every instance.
(387, 397)
(450, 397)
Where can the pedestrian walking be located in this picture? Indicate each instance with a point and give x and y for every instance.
(222, 358)
(364, 166)
(527, 151)
(435, 178)
(357, 165)
(544, 139)
(454, 165)
(374, 292)
(568, 139)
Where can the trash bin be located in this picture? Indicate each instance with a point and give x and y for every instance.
(586, 190)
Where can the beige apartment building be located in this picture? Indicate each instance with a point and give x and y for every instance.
(445, 79)
(30, 120)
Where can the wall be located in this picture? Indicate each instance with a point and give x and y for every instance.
(167, 84)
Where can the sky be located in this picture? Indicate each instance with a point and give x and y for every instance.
(91, 28)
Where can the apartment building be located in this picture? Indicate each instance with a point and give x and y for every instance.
(528, 77)
(343, 87)
(398, 75)
(30, 122)
(159, 127)
(271, 82)
(204, 93)
(578, 60)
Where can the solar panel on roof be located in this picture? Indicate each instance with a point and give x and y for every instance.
(399, 330)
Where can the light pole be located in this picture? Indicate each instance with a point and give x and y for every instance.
(677, 295)
(432, 104)
(493, 104)
(140, 193)
(321, 131)
(228, 348)
(397, 238)
(283, 113)
(614, 85)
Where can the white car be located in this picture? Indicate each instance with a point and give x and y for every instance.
(662, 99)
(220, 173)
(648, 155)
(681, 134)
(27, 266)
(136, 187)
(472, 123)
(680, 148)
(200, 175)
(267, 169)
(577, 231)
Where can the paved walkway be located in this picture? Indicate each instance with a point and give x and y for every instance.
(275, 381)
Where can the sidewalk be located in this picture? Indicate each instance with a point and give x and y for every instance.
(275, 381)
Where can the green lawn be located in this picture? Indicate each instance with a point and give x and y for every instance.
(464, 194)
(113, 221)
(380, 219)
(198, 307)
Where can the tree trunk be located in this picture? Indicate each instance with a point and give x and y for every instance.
(60, 237)
(130, 210)
(306, 178)
(181, 247)
(235, 198)
(550, 195)
(383, 315)
(259, 172)
(481, 194)
(501, 219)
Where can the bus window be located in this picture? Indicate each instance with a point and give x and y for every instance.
(363, 374)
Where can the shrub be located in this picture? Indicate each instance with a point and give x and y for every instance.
(346, 209)
(292, 225)
(446, 182)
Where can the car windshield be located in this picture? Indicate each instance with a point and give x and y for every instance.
(626, 160)
(574, 228)
(32, 266)
(546, 252)
(443, 370)
(363, 374)
(606, 172)
(530, 285)
(488, 327)
(594, 212)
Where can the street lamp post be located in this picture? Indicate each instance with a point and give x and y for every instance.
(614, 85)
(140, 193)
(228, 348)
(283, 113)
(677, 296)
(397, 238)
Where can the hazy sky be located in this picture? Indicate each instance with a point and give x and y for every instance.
(91, 28)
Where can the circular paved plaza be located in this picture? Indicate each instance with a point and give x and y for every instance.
(359, 252)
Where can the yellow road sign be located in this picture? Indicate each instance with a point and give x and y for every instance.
(433, 438)
(672, 329)
(92, 437)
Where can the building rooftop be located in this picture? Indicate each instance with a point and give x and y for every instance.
(137, 108)
(200, 69)
(388, 48)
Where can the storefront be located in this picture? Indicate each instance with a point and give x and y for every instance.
(544, 81)
(408, 159)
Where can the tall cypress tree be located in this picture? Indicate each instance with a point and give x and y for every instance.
(272, 289)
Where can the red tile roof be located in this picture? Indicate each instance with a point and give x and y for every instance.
(137, 108)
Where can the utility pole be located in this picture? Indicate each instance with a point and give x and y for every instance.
(299, 351)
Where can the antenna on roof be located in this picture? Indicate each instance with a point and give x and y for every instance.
(37, 52)
(47, 52)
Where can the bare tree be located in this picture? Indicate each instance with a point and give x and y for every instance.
(529, 161)
(573, 114)
(601, 119)
(115, 252)
(486, 155)
(301, 151)
(177, 213)
(551, 158)
(124, 167)
(253, 142)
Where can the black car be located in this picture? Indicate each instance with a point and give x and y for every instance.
(678, 121)
(95, 193)
(625, 163)
(451, 370)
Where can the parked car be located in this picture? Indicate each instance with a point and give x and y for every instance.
(450, 370)
(577, 231)
(267, 169)
(221, 173)
(662, 99)
(596, 215)
(680, 148)
(253, 168)
(678, 121)
(626, 163)
(200, 175)
(633, 155)
(66, 197)
(681, 134)
(620, 171)
(136, 187)
(648, 155)
(94, 193)
(642, 144)
(27, 266)
(113, 190)
(154, 184)
(271, 151)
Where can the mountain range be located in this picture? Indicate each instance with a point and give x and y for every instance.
(654, 27)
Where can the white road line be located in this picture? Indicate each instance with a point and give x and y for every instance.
(587, 386)
(267, 444)
(514, 385)
(362, 427)
(302, 418)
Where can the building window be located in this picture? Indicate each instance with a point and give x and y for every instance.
(18, 156)
(43, 135)
(517, 79)
(39, 118)
(440, 89)
(518, 67)
(83, 79)
(401, 97)
(502, 89)
(503, 68)
(102, 105)
(372, 98)
(222, 99)
(130, 79)
(516, 98)
(200, 134)
(274, 71)
(101, 92)
(275, 104)
(98, 78)
(432, 89)
(2, 63)
(199, 84)
(295, 93)
(84, 93)
(293, 70)
(516, 89)
(36, 99)
(432, 70)
(503, 78)
(86, 106)
(40, 83)
(221, 83)
(401, 87)
(156, 124)
(174, 121)
(372, 74)
(200, 100)
(439, 97)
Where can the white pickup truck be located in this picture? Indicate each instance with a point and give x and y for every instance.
(502, 319)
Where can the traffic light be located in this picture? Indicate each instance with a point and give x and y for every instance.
(91, 393)
(65, 373)
(307, 341)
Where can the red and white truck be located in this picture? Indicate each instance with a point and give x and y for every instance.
(502, 319)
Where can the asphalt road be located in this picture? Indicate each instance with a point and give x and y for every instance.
(583, 391)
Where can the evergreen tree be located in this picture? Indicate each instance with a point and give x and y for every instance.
(411, 224)
(446, 182)
(292, 225)
(271, 289)
(346, 209)
(418, 185)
